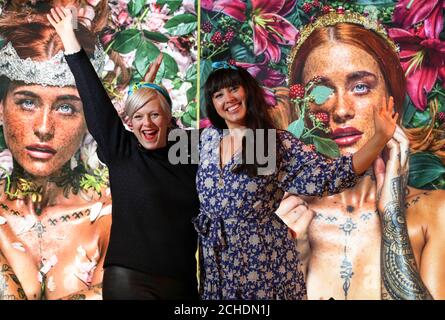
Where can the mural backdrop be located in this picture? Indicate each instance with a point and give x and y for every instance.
(258, 35)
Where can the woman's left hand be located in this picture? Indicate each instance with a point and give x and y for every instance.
(392, 177)
(385, 120)
(150, 76)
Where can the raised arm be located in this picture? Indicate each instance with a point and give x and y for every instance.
(305, 172)
(10, 288)
(101, 117)
(400, 275)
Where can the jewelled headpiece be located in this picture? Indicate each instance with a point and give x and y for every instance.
(53, 72)
(333, 18)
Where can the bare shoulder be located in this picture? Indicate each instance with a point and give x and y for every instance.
(428, 206)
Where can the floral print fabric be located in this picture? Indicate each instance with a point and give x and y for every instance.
(246, 251)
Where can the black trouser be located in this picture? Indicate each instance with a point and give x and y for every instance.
(126, 284)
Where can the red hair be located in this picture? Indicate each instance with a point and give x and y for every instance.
(33, 37)
(364, 39)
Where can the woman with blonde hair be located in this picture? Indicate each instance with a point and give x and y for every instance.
(152, 247)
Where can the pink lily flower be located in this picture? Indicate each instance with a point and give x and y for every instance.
(423, 61)
(271, 100)
(233, 8)
(407, 13)
(261, 71)
(270, 29)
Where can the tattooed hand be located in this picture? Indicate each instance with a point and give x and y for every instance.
(395, 169)
(400, 276)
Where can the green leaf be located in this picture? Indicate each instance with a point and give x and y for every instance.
(191, 93)
(421, 118)
(205, 70)
(424, 168)
(135, 7)
(127, 40)
(170, 65)
(192, 72)
(191, 110)
(181, 24)
(172, 4)
(296, 127)
(241, 53)
(183, 29)
(155, 36)
(439, 93)
(321, 94)
(186, 119)
(410, 110)
(326, 146)
(145, 53)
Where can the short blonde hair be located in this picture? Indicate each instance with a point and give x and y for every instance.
(141, 97)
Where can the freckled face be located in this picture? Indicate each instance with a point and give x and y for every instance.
(43, 126)
(358, 86)
(230, 104)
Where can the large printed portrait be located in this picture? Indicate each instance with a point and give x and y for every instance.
(55, 201)
(382, 239)
(325, 66)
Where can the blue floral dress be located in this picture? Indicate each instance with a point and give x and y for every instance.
(246, 250)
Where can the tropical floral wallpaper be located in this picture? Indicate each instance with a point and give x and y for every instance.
(259, 34)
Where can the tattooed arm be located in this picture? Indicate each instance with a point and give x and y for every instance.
(400, 276)
(93, 293)
(21, 266)
(10, 288)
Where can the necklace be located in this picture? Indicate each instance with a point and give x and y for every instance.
(19, 184)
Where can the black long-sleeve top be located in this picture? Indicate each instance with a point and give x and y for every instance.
(153, 200)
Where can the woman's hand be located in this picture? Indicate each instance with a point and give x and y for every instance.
(385, 120)
(392, 177)
(61, 18)
(150, 76)
(296, 215)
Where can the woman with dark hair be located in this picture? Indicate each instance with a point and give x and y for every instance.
(247, 252)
